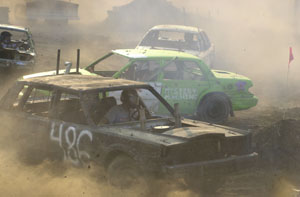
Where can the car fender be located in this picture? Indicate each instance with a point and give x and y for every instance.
(115, 150)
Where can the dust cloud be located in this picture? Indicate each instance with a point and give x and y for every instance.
(251, 38)
(23, 173)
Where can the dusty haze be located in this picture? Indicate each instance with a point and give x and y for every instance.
(252, 37)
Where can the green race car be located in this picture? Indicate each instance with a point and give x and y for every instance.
(208, 95)
(203, 93)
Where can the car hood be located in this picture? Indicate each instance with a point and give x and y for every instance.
(201, 131)
(221, 74)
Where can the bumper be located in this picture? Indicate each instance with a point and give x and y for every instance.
(244, 103)
(16, 64)
(215, 167)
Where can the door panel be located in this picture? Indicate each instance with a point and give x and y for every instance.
(183, 82)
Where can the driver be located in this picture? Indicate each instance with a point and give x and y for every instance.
(125, 112)
(5, 40)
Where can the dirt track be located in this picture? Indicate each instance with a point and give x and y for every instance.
(265, 118)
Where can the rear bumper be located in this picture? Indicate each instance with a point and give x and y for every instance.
(215, 167)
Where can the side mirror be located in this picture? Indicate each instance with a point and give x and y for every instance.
(68, 66)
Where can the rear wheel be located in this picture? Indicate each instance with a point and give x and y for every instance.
(215, 108)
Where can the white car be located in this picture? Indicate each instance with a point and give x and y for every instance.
(182, 38)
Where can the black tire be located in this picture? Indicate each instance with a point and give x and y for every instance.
(123, 173)
(206, 187)
(215, 108)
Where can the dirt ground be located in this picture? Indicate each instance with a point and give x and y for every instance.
(275, 127)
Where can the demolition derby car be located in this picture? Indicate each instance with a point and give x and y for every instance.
(16, 47)
(65, 125)
(180, 38)
(203, 93)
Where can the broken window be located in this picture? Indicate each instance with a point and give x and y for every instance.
(183, 70)
(204, 41)
(68, 107)
(173, 40)
(143, 70)
(35, 101)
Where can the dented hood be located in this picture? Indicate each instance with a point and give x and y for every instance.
(203, 130)
(221, 74)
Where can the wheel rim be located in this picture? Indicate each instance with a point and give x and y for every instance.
(217, 110)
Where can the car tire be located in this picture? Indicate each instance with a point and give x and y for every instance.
(124, 173)
(206, 187)
(215, 108)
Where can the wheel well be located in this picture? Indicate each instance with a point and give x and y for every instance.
(218, 93)
(111, 156)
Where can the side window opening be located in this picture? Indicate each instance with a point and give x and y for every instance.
(98, 106)
(142, 71)
(183, 70)
(192, 71)
(69, 108)
(171, 72)
(204, 41)
(150, 38)
(35, 101)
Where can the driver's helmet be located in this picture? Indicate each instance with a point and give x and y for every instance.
(130, 97)
(5, 34)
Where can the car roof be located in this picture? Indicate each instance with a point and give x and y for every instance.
(145, 53)
(181, 28)
(83, 83)
(13, 27)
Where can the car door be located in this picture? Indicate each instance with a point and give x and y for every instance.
(182, 82)
(70, 128)
(147, 71)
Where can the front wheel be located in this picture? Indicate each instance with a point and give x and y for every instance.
(215, 108)
(123, 173)
(208, 186)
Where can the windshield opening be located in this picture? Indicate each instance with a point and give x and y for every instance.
(18, 40)
(172, 39)
(124, 106)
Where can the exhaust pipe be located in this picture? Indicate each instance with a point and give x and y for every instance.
(78, 61)
(58, 60)
(68, 66)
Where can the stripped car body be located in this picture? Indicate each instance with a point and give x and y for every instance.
(174, 37)
(22, 55)
(62, 126)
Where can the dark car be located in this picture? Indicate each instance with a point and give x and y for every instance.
(61, 115)
(19, 53)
